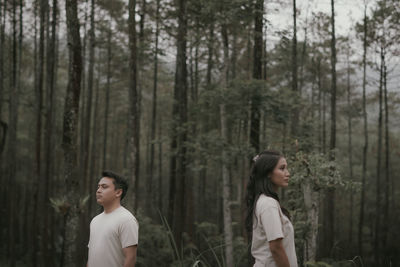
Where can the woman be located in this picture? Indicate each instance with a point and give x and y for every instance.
(272, 232)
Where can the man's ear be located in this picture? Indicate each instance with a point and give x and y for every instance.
(119, 192)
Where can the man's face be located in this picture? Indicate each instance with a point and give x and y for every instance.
(106, 192)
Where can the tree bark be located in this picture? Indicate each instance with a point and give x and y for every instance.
(228, 233)
(71, 114)
(13, 143)
(386, 203)
(350, 145)
(177, 204)
(134, 118)
(295, 110)
(378, 233)
(365, 146)
(150, 178)
(93, 154)
(88, 113)
(311, 201)
(330, 196)
(49, 127)
(257, 74)
(2, 74)
(107, 98)
(39, 95)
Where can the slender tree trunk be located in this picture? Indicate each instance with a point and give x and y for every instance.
(386, 209)
(365, 147)
(150, 193)
(228, 233)
(378, 206)
(324, 121)
(39, 94)
(93, 154)
(134, 118)
(13, 143)
(350, 145)
(88, 113)
(319, 103)
(210, 66)
(210, 61)
(160, 169)
(295, 110)
(333, 89)
(177, 207)
(311, 201)
(2, 75)
(330, 196)
(257, 74)
(70, 131)
(107, 99)
(49, 126)
(83, 98)
(35, 189)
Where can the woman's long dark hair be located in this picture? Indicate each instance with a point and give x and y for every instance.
(260, 183)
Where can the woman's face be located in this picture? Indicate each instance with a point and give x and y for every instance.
(280, 174)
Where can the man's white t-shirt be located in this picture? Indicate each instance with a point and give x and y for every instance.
(269, 223)
(109, 234)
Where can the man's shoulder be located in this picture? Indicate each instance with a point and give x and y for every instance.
(124, 214)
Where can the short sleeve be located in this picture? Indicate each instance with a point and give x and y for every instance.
(129, 234)
(271, 222)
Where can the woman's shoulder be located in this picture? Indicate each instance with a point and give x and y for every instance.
(266, 202)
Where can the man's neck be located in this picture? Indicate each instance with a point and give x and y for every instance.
(113, 206)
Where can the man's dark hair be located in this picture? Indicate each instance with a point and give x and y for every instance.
(118, 181)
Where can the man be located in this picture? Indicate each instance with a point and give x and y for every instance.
(113, 233)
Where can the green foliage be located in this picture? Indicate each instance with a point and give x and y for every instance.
(206, 250)
(318, 169)
(153, 241)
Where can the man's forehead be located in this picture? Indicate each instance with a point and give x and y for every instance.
(105, 180)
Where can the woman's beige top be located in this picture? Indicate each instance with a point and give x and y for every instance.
(269, 223)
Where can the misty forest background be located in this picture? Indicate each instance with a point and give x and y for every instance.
(178, 96)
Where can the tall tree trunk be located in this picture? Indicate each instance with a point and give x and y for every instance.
(226, 195)
(210, 49)
(49, 126)
(70, 131)
(295, 110)
(83, 98)
(386, 204)
(88, 113)
(93, 154)
(107, 98)
(377, 234)
(365, 147)
(134, 118)
(177, 196)
(330, 196)
(319, 104)
(150, 193)
(257, 74)
(12, 143)
(35, 186)
(311, 202)
(2, 78)
(210, 67)
(350, 145)
(323, 121)
(39, 95)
